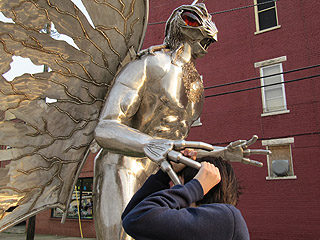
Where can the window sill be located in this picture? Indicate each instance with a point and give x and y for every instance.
(267, 30)
(275, 113)
(281, 178)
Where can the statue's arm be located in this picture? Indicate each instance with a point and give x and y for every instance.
(113, 131)
(119, 138)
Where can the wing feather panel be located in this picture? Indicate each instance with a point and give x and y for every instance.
(46, 141)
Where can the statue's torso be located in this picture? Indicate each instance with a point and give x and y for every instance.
(154, 96)
(171, 101)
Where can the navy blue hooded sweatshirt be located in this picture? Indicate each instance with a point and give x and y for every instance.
(158, 212)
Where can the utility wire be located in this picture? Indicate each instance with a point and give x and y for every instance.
(225, 11)
(240, 8)
(286, 136)
(257, 107)
(271, 75)
(268, 85)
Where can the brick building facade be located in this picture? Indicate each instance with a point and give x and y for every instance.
(283, 205)
(280, 200)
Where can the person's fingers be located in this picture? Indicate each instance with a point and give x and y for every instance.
(191, 153)
(208, 176)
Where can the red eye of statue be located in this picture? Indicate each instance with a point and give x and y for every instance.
(190, 19)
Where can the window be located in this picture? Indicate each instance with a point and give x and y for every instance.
(273, 93)
(280, 165)
(83, 196)
(266, 15)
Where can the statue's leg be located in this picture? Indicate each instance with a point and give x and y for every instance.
(116, 179)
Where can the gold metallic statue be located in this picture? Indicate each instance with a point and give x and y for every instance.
(152, 99)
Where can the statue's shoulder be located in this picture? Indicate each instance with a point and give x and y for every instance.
(160, 60)
(151, 59)
(154, 65)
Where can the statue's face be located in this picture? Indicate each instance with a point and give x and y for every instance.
(196, 27)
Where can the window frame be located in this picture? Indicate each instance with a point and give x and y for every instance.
(264, 64)
(256, 13)
(274, 143)
(264, 89)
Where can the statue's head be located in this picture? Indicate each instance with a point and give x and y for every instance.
(191, 24)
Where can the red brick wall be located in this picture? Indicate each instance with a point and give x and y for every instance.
(283, 209)
(277, 209)
(46, 225)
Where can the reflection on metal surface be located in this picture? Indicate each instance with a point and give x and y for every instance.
(83, 194)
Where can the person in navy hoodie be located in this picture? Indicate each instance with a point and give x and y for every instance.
(201, 208)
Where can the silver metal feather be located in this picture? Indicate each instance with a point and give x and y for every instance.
(47, 142)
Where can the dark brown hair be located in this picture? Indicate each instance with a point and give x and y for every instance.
(227, 191)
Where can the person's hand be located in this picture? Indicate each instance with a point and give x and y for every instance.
(208, 176)
(190, 153)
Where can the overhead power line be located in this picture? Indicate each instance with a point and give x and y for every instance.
(256, 78)
(244, 7)
(257, 107)
(275, 137)
(225, 11)
(257, 87)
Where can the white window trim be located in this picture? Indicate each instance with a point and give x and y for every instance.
(279, 178)
(266, 63)
(256, 14)
(267, 30)
(266, 114)
(270, 62)
(278, 142)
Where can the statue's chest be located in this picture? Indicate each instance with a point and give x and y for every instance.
(192, 83)
(181, 86)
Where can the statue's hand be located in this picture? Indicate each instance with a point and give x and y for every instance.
(238, 152)
(161, 150)
(157, 150)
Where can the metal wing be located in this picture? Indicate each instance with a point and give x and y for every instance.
(46, 142)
